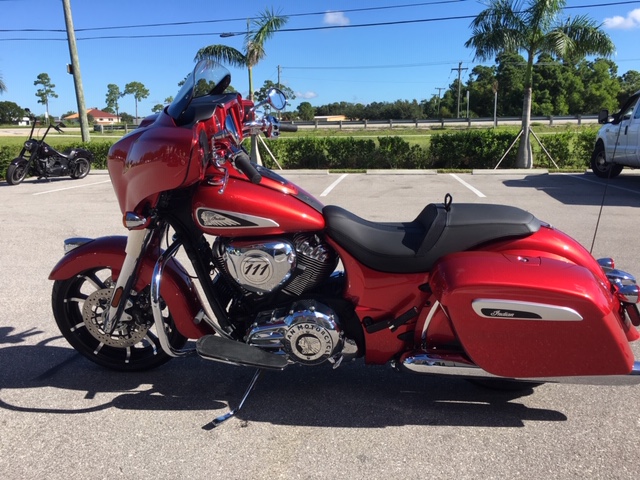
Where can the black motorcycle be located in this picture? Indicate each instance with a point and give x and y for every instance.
(40, 159)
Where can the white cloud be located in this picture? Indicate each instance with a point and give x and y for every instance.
(306, 95)
(336, 18)
(632, 20)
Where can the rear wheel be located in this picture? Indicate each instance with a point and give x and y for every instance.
(599, 165)
(17, 172)
(81, 168)
(79, 305)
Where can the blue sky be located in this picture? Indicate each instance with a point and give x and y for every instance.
(325, 65)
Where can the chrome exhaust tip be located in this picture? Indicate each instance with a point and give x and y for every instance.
(432, 364)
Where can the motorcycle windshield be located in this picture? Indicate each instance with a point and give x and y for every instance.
(207, 78)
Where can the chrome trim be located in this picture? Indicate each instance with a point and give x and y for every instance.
(628, 293)
(618, 277)
(517, 310)
(133, 220)
(424, 363)
(156, 281)
(607, 264)
(427, 322)
(75, 242)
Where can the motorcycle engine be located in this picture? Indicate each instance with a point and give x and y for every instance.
(264, 266)
(308, 333)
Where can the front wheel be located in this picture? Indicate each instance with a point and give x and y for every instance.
(81, 168)
(79, 305)
(599, 165)
(17, 172)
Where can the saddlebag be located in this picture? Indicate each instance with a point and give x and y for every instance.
(518, 316)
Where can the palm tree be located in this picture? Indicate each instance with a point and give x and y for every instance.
(535, 27)
(3, 87)
(264, 27)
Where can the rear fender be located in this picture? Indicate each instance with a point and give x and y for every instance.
(177, 289)
(81, 153)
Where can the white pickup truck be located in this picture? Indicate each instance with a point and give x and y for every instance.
(618, 140)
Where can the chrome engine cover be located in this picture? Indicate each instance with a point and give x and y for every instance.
(292, 265)
(308, 333)
(259, 267)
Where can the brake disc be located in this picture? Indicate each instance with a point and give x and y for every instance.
(128, 332)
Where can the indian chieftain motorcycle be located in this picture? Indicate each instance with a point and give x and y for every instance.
(42, 160)
(473, 290)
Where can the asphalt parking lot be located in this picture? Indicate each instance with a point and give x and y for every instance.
(63, 417)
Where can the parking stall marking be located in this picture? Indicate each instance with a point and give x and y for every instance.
(333, 185)
(473, 189)
(70, 188)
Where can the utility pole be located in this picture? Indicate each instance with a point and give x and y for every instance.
(75, 70)
(439, 90)
(459, 69)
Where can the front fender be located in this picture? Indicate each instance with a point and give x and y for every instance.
(18, 159)
(176, 289)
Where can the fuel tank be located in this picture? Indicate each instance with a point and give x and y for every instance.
(246, 209)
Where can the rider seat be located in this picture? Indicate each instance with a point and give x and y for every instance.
(413, 247)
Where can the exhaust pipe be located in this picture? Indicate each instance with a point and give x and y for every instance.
(436, 364)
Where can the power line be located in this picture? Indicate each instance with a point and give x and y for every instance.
(300, 29)
(243, 19)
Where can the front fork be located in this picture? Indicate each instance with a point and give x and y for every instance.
(137, 243)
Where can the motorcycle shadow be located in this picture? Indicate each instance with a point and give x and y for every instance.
(352, 396)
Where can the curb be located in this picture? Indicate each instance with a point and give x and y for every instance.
(511, 171)
(401, 172)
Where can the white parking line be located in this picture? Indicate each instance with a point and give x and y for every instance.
(333, 185)
(473, 189)
(69, 188)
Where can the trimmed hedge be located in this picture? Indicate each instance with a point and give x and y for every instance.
(466, 149)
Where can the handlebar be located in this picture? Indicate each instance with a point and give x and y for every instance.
(243, 162)
(287, 127)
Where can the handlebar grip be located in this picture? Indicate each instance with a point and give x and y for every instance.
(243, 162)
(288, 127)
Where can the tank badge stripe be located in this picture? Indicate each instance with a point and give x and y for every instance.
(223, 219)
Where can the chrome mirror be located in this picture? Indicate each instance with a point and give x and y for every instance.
(276, 99)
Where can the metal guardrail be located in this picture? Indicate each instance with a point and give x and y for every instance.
(111, 128)
(447, 122)
(420, 123)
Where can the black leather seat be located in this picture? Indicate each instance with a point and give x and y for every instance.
(412, 247)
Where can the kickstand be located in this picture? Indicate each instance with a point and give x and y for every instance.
(217, 421)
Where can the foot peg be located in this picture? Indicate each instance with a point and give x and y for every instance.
(219, 349)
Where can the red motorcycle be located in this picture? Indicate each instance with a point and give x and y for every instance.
(479, 291)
